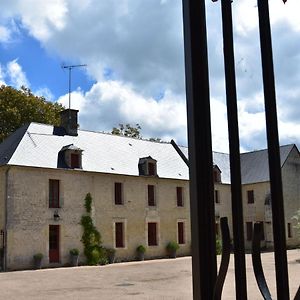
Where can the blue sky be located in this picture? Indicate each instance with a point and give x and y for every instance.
(135, 64)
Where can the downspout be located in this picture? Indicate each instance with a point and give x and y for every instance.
(5, 219)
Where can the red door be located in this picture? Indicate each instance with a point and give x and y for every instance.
(53, 243)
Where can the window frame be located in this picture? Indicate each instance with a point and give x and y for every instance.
(54, 203)
(217, 197)
(179, 196)
(119, 242)
(152, 234)
(76, 166)
(118, 193)
(181, 238)
(249, 231)
(250, 197)
(151, 195)
(289, 230)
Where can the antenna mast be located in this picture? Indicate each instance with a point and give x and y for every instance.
(70, 69)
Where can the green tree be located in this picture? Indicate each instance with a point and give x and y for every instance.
(18, 107)
(128, 130)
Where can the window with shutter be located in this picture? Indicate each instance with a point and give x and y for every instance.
(54, 193)
(119, 226)
(75, 161)
(250, 195)
(152, 234)
(118, 193)
(151, 195)
(181, 239)
(217, 197)
(179, 191)
(151, 169)
(249, 228)
(289, 230)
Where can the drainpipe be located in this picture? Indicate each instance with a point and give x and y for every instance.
(5, 219)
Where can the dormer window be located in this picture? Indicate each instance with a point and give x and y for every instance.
(75, 161)
(217, 174)
(70, 157)
(147, 166)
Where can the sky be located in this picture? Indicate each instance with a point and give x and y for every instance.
(134, 54)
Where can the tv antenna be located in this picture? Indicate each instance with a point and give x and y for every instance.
(70, 70)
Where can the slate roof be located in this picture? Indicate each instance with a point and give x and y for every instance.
(38, 145)
(255, 165)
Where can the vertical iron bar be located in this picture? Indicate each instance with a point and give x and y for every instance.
(234, 150)
(273, 152)
(200, 150)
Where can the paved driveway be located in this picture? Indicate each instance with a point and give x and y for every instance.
(157, 279)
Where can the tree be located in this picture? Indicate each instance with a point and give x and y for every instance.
(18, 107)
(128, 130)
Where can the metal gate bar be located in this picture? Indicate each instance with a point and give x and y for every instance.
(234, 153)
(273, 152)
(204, 264)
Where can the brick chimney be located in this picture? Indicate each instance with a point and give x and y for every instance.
(68, 120)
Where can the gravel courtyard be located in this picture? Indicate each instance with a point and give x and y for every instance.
(156, 279)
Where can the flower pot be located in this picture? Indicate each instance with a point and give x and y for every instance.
(141, 256)
(74, 260)
(172, 253)
(37, 263)
(111, 258)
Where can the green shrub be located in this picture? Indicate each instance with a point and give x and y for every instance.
(141, 249)
(172, 246)
(91, 237)
(38, 256)
(218, 245)
(74, 251)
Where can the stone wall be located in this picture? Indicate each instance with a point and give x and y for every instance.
(29, 214)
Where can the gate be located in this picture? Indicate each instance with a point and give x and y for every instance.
(208, 285)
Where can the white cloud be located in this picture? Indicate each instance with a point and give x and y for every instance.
(141, 44)
(109, 103)
(4, 34)
(44, 92)
(16, 75)
(2, 75)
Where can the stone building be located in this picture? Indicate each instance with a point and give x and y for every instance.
(140, 193)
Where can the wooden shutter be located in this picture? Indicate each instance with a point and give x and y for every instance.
(119, 235)
(181, 233)
(250, 196)
(151, 195)
(53, 193)
(217, 199)
(249, 230)
(152, 234)
(151, 169)
(118, 193)
(75, 160)
(289, 230)
(179, 196)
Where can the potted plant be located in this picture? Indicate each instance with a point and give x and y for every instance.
(74, 254)
(141, 252)
(37, 258)
(172, 248)
(111, 255)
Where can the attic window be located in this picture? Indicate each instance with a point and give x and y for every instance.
(75, 161)
(217, 174)
(70, 156)
(147, 166)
